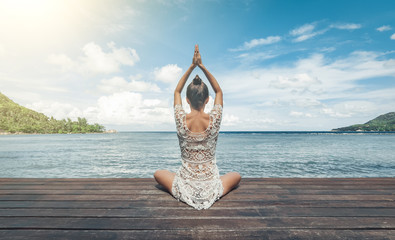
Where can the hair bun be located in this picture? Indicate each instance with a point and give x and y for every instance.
(197, 80)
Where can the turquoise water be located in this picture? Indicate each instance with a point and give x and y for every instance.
(139, 154)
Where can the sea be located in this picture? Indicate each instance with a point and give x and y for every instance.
(252, 154)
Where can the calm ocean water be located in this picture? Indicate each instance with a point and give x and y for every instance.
(139, 154)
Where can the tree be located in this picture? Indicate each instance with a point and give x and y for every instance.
(16, 118)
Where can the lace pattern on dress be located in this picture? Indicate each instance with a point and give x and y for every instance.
(197, 181)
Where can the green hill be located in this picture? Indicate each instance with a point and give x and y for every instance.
(15, 118)
(382, 123)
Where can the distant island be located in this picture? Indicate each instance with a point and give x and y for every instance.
(382, 123)
(18, 119)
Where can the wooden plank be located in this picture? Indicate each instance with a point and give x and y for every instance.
(150, 197)
(174, 212)
(245, 187)
(196, 233)
(86, 180)
(80, 192)
(303, 180)
(173, 203)
(154, 191)
(263, 181)
(248, 186)
(318, 186)
(208, 223)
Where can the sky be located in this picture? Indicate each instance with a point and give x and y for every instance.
(282, 65)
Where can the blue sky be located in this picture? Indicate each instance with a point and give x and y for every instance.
(283, 65)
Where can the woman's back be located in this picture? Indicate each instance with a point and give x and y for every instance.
(198, 145)
(197, 122)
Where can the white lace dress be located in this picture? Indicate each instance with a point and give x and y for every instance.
(197, 181)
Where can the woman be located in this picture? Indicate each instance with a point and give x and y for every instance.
(197, 182)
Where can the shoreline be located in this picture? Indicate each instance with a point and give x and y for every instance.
(223, 132)
(22, 133)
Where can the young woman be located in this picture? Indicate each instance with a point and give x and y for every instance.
(197, 182)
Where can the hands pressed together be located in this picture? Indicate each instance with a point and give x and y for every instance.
(197, 59)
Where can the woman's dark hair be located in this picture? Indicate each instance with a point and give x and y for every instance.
(197, 93)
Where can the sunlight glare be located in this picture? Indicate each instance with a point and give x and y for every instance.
(27, 7)
(32, 25)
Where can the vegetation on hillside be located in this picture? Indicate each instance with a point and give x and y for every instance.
(382, 123)
(15, 118)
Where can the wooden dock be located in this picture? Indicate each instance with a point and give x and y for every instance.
(260, 208)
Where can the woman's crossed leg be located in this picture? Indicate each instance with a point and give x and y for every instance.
(165, 178)
(230, 181)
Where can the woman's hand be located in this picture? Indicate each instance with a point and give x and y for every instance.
(194, 59)
(197, 59)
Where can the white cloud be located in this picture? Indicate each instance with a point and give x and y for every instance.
(209, 105)
(230, 120)
(63, 61)
(305, 32)
(186, 106)
(256, 56)
(295, 114)
(300, 114)
(95, 60)
(307, 28)
(346, 26)
(304, 37)
(262, 41)
(256, 122)
(309, 35)
(114, 28)
(119, 84)
(384, 28)
(331, 112)
(257, 42)
(128, 108)
(207, 108)
(168, 74)
(122, 108)
(291, 101)
(349, 109)
(56, 109)
(176, 3)
(393, 36)
(305, 102)
(297, 81)
(328, 49)
(2, 50)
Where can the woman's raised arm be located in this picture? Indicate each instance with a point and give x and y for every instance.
(184, 78)
(181, 84)
(213, 82)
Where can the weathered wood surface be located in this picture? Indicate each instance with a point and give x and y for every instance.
(260, 208)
